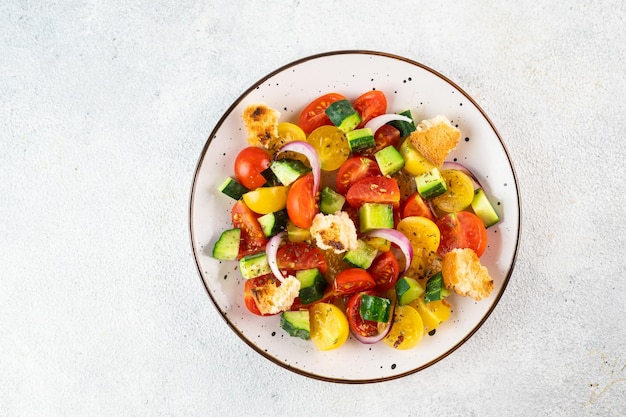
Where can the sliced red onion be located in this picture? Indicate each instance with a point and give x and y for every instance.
(271, 250)
(464, 169)
(399, 239)
(308, 151)
(383, 119)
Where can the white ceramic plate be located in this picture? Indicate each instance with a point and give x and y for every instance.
(407, 84)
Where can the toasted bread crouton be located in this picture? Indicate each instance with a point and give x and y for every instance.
(262, 124)
(272, 298)
(334, 232)
(435, 138)
(463, 273)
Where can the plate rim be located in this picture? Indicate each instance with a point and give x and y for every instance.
(195, 250)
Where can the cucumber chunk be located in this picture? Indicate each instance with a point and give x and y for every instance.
(375, 216)
(270, 178)
(405, 128)
(360, 139)
(296, 323)
(253, 266)
(408, 290)
(362, 256)
(375, 308)
(312, 285)
(232, 188)
(434, 285)
(343, 115)
(484, 209)
(288, 170)
(431, 184)
(297, 234)
(274, 223)
(227, 246)
(389, 160)
(331, 201)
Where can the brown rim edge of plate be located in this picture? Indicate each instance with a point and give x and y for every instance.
(195, 251)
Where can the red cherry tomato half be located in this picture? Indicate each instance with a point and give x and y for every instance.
(354, 169)
(415, 205)
(386, 135)
(314, 116)
(374, 190)
(353, 280)
(301, 202)
(365, 328)
(248, 288)
(385, 270)
(249, 164)
(369, 105)
(296, 256)
(462, 230)
(252, 238)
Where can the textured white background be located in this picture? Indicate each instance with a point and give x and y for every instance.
(104, 109)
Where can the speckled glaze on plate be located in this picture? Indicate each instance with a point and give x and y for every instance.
(407, 84)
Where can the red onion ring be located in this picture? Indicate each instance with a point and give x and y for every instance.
(308, 151)
(271, 250)
(399, 239)
(463, 169)
(383, 119)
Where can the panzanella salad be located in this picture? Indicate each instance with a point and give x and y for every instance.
(352, 221)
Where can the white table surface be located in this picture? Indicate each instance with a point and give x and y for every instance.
(105, 107)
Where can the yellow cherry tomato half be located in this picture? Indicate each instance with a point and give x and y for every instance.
(407, 328)
(433, 313)
(329, 326)
(459, 194)
(331, 145)
(288, 132)
(424, 236)
(266, 200)
(414, 162)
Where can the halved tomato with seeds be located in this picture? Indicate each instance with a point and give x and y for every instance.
(385, 270)
(252, 238)
(314, 116)
(415, 205)
(353, 280)
(462, 230)
(297, 256)
(374, 190)
(369, 105)
(248, 292)
(354, 169)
